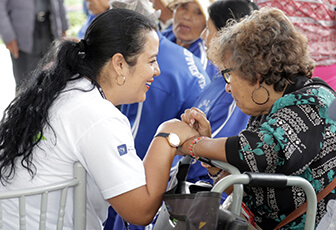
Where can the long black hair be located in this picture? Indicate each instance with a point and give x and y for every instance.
(221, 11)
(21, 129)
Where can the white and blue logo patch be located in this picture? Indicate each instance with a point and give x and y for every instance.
(122, 149)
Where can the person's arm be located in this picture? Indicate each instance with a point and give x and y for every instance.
(13, 48)
(7, 32)
(63, 17)
(197, 119)
(207, 147)
(140, 205)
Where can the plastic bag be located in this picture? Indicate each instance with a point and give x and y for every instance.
(328, 222)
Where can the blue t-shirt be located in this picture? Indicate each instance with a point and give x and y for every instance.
(181, 81)
(197, 48)
(89, 19)
(225, 118)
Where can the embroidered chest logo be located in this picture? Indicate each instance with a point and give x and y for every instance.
(122, 149)
(205, 106)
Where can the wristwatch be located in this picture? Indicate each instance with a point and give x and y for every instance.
(173, 139)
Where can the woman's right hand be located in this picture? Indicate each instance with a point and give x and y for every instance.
(182, 129)
(197, 119)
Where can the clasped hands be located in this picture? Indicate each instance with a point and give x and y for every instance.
(193, 124)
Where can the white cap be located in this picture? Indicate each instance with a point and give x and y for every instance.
(143, 7)
(203, 5)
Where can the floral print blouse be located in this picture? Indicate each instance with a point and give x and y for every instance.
(296, 138)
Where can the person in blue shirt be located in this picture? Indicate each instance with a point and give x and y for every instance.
(88, 20)
(92, 8)
(189, 20)
(181, 81)
(166, 16)
(226, 119)
(85, 9)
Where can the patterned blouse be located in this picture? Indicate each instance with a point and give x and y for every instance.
(297, 138)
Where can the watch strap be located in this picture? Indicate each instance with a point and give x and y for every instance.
(172, 138)
(162, 134)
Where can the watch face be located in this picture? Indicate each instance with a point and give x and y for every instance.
(174, 140)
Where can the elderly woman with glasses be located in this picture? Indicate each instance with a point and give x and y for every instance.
(267, 67)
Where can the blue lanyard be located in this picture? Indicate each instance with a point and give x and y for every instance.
(99, 88)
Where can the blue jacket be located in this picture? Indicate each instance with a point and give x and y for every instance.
(181, 80)
(89, 19)
(225, 118)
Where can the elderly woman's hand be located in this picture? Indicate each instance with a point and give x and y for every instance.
(197, 119)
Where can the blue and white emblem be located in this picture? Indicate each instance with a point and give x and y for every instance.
(122, 149)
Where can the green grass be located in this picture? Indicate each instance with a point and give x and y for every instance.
(75, 18)
(72, 2)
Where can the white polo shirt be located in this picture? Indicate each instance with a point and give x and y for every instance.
(89, 129)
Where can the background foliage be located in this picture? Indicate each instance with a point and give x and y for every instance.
(76, 16)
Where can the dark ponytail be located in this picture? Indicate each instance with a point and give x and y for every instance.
(24, 119)
(114, 31)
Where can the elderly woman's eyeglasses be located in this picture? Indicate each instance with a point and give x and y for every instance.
(226, 74)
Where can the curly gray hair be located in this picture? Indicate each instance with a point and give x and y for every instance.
(265, 43)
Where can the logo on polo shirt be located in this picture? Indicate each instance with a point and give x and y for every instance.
(122, 149)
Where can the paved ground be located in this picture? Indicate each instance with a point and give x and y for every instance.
(7, 84)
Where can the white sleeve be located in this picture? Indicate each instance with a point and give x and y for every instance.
(108, 151)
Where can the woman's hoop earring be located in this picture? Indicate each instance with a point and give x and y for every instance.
(268, 96)
(123, 80)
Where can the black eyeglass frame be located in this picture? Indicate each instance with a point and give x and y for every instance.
(226, 75)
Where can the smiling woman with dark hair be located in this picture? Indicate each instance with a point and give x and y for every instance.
(69, 114)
